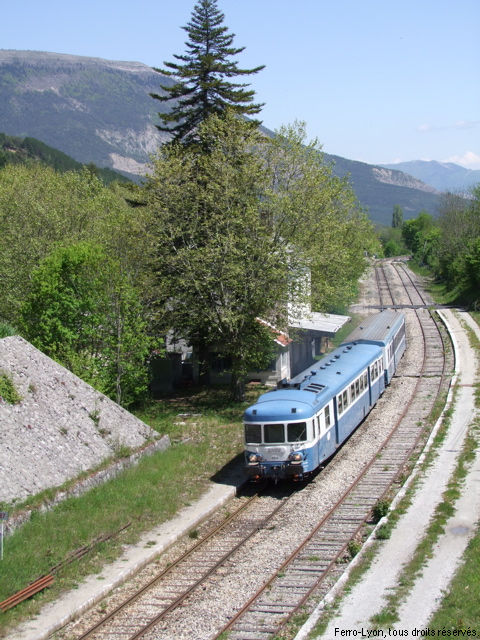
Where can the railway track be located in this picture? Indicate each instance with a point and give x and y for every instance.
(140, 612)
(309, 566)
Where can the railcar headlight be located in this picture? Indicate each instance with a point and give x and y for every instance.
(253, 457)
(296, 458)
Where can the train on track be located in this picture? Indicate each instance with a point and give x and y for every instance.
(291, 431)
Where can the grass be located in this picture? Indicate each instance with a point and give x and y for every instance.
(204, 440)
(459, 609)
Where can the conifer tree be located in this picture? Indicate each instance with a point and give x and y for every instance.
(202, 76)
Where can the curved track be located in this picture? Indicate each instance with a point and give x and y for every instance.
(159, 609)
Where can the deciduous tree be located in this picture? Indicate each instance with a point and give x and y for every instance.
(241, 220)
(83, 311)
(397, 216)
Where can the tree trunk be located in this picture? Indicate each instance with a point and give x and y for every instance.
(203, 363)
(237, 385)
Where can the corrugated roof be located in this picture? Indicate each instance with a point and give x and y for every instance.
(326, 323)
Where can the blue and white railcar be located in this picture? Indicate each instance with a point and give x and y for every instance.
(292, 430)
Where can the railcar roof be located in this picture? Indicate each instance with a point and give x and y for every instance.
(377, 328)
(313, 388)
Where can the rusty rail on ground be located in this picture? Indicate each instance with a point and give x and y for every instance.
(27, 592)
(47, 580)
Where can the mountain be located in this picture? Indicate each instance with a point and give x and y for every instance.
(444, 176)
(101, 111)
(91, 109)
(379, 189)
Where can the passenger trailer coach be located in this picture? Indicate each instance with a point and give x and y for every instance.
(292, 430)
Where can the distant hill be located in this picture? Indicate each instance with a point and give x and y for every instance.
(100, 111)
(444, 176)
(379, 189)
(15, 150)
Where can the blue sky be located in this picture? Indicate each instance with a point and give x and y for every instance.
(374, 80)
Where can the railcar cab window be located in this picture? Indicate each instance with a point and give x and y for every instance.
(297, 431)
(327, 416)
(274, 433)
(253, 434)
(376, 369)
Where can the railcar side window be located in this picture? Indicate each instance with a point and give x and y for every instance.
(297, 431)
(345, 399)
(253, 434)
(357, 387)
(352, 391)
(327, 416)
(274, 433)
(340, 404)
(365, 379)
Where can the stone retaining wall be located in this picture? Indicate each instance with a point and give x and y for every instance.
(61, 428)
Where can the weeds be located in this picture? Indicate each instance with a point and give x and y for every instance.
(8, 391)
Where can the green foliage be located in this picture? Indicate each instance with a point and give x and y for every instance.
(383, 532)
(40, 208)
(422, 235)
(392, 241)
(6, 330)
(219, 268)
(8, 392)
(451, 245)
(241, 221)
(316, 213)
(353, 548)
(459, 223)
(380, 510)
(397, 216)
(83, 311)
(202, 78)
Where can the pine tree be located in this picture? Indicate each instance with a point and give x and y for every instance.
(202, 86)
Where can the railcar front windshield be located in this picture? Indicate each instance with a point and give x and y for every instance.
(275, 433)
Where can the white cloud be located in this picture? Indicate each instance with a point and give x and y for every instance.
(469, 159)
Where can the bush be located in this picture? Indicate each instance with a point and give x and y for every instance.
(7, 330)
(380, 510)
(8, 392)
